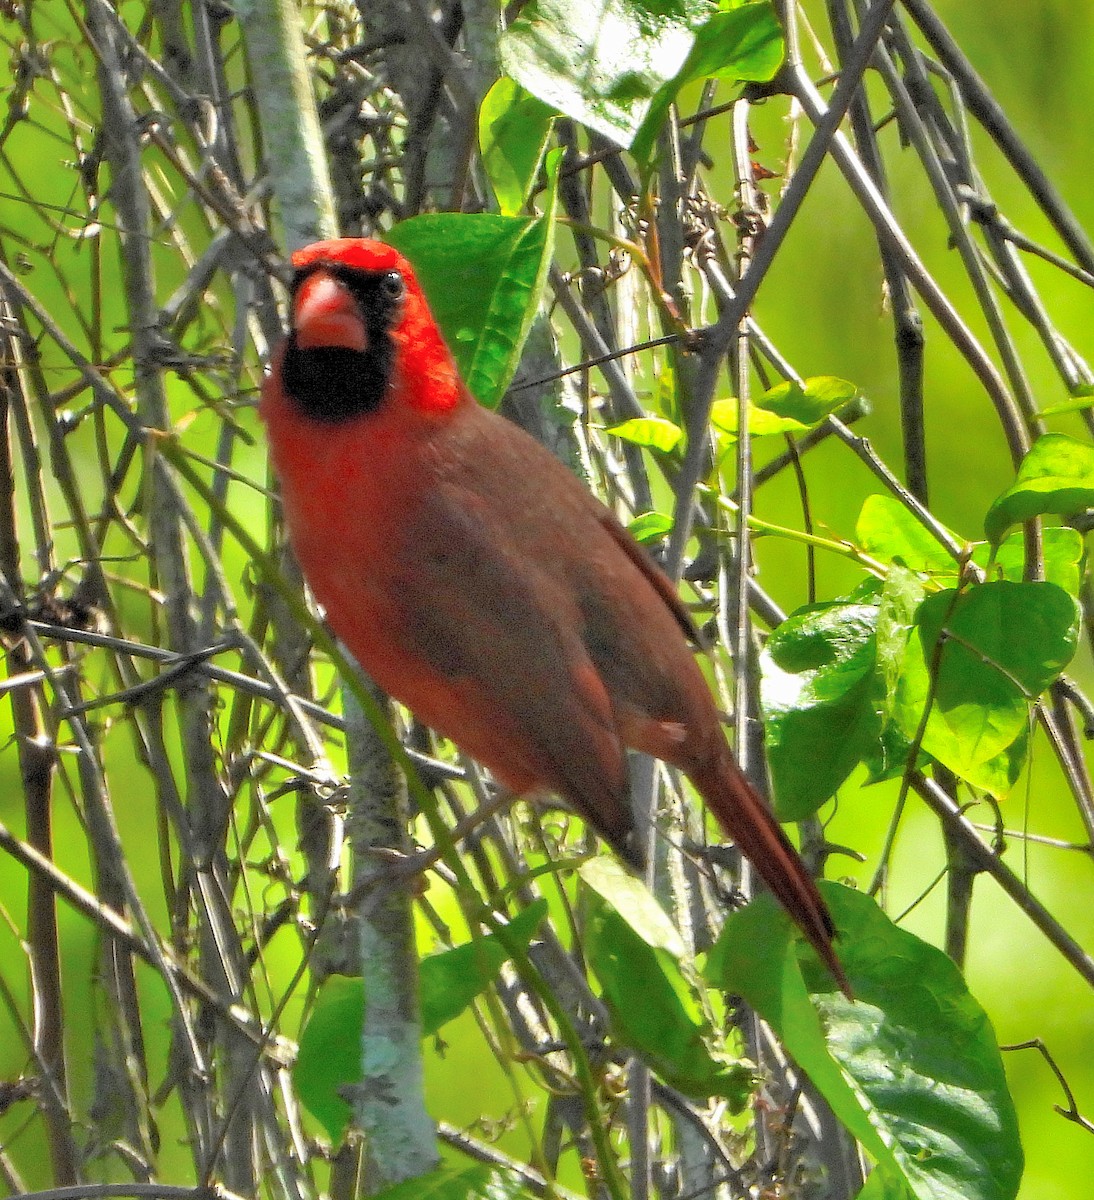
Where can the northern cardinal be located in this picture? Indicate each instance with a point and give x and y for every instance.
(478, 582)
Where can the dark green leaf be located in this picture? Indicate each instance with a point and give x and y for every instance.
(635, 952)
(600, 61)
(1056, 476)
(513, 131)
(817, 688)
(330, 1053)
(483, 275)
(911, 1068)
(451, 979)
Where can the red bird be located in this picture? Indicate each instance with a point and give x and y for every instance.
(478, 582)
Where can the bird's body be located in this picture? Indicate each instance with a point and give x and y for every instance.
(475, 578)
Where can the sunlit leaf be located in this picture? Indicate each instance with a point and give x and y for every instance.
(483, 275)
(657, 433)
(600, 61)
(1056, 476)
(513, 131)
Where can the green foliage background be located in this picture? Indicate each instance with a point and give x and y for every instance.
(822, 305)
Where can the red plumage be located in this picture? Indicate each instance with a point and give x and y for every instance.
(477, 581)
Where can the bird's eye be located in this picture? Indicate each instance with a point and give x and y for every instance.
(392, 286)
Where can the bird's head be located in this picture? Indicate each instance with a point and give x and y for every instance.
(362, 339)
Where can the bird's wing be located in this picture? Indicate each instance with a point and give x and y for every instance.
(510, 677)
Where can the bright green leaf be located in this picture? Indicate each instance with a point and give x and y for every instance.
(1056, 476)
(887, 531)
(817, 688)
(786, 408)
(600, 61)
(912, 1067)
(1063, 553)
(810, 401)
(1082, 398)
(657, 433)
(513, 131)
(483, 275)
(650, 527)
(1005, 643)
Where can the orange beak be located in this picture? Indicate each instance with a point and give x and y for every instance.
(326, 314)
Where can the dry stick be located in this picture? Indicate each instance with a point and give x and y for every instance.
(168, 518)
(720, 336)
(908, 322)
(984, 859)
(987, 110)
(943, 311)
(915, 129)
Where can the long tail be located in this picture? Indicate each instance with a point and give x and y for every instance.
(746, 819)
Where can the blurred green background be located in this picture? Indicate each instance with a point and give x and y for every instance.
(823, 306)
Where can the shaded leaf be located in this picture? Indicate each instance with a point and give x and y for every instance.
(459, 1181)
(912, 1067)
(817, 688)
(329, 1058)
(635, 952)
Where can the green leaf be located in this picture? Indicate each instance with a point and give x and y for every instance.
(656, 433)
(1082, 398)
(912, 1067)
(329, 1059)
(451, 979)
(600, 61)
(817, 688)
(650, 527)
(1004, 644)
(810, 401)
(513, 131)
(887, 531)
(787, 408)
(1063, 552)
(1056, 476)
(744, 41)
(459, 1181)
(483, 275)
(635, 952)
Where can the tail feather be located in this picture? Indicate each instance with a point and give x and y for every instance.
(746, 819)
